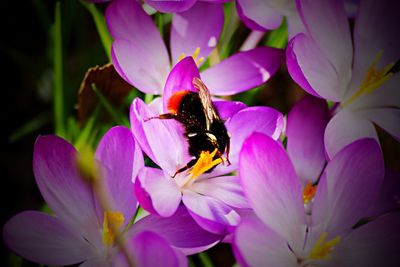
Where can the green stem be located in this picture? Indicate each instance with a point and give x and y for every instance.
(205, 259)
(58, 93)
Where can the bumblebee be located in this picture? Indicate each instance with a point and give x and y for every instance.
(205, 131)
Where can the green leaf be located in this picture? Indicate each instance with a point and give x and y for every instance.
(101, 27)
(58, 91)
(278, 38)
(205, 259)
(30, 126)
(87, 134)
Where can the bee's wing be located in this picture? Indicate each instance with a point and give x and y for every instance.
(205, 98)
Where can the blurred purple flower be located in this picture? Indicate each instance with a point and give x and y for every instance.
(263, 15)
(356, 70)
(80, 230)
(280, 233)
(210, 198)
(141, 57)
(174, 6)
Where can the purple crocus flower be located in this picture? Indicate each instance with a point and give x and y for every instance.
(173, 6)
(358, 70)
(80, 231)
(141, 57)
(280, 233)
(263, 15)
(210, 198)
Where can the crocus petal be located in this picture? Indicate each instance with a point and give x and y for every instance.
(150, 249)
(189, 31)
(271, 186)
(255, 244)
(259, 15)
(326, 23)
(44, 239)
(180, 78)
(210, 213)
(375, 29)
(170, 6)
(386, 118)
(64, 190)
(180, 230)
(344, 128)
(349, 187)
(123, 159)
(138, 52)
(311, 69)
(388, 200)
(163, 192)
(305, 131)
(243, 71)
(226, 109)
(263, 119)
(161, 140)
(224, 188)
(373, 244)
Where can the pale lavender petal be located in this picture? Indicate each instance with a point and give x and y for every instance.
(123, 159)
(294, 69)
(243, 71)
(138, 52)
(95, 262)
(389, 196)
(180, 230)
(349, 187)
(311, 69)
(149, 249)
(327, 25)
(344, 128)
(374, 244)
(210, 213)
(164, 193)
(259, 15)
(224, 188)
(271, 186)
(161, 140)
(386, 118)
(45, 239)
(171, 6)
(180, 78)
(375, 30)
(305, 128)
(255, 244)
(189, 32)
(263, 119)
(64, 190)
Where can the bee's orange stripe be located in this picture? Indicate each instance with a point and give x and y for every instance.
(175, 101)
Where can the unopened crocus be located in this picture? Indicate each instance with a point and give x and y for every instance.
(280, 234)
(81, 230)
(211, 198)
(358, 69)
(142, 59)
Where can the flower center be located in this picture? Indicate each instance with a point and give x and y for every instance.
(374, 78)
(194, 56)
(309, 192)
(323, 249)
(112, 222)
(204, 163)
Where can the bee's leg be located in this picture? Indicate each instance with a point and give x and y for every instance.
(228, 147)
(188, 166)
(166, 116)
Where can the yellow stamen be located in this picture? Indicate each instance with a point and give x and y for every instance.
(194, 56)
(323, 249)
(204, 163)
(374, 78)
(114, 218)
(309, 192)
(86, 164)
